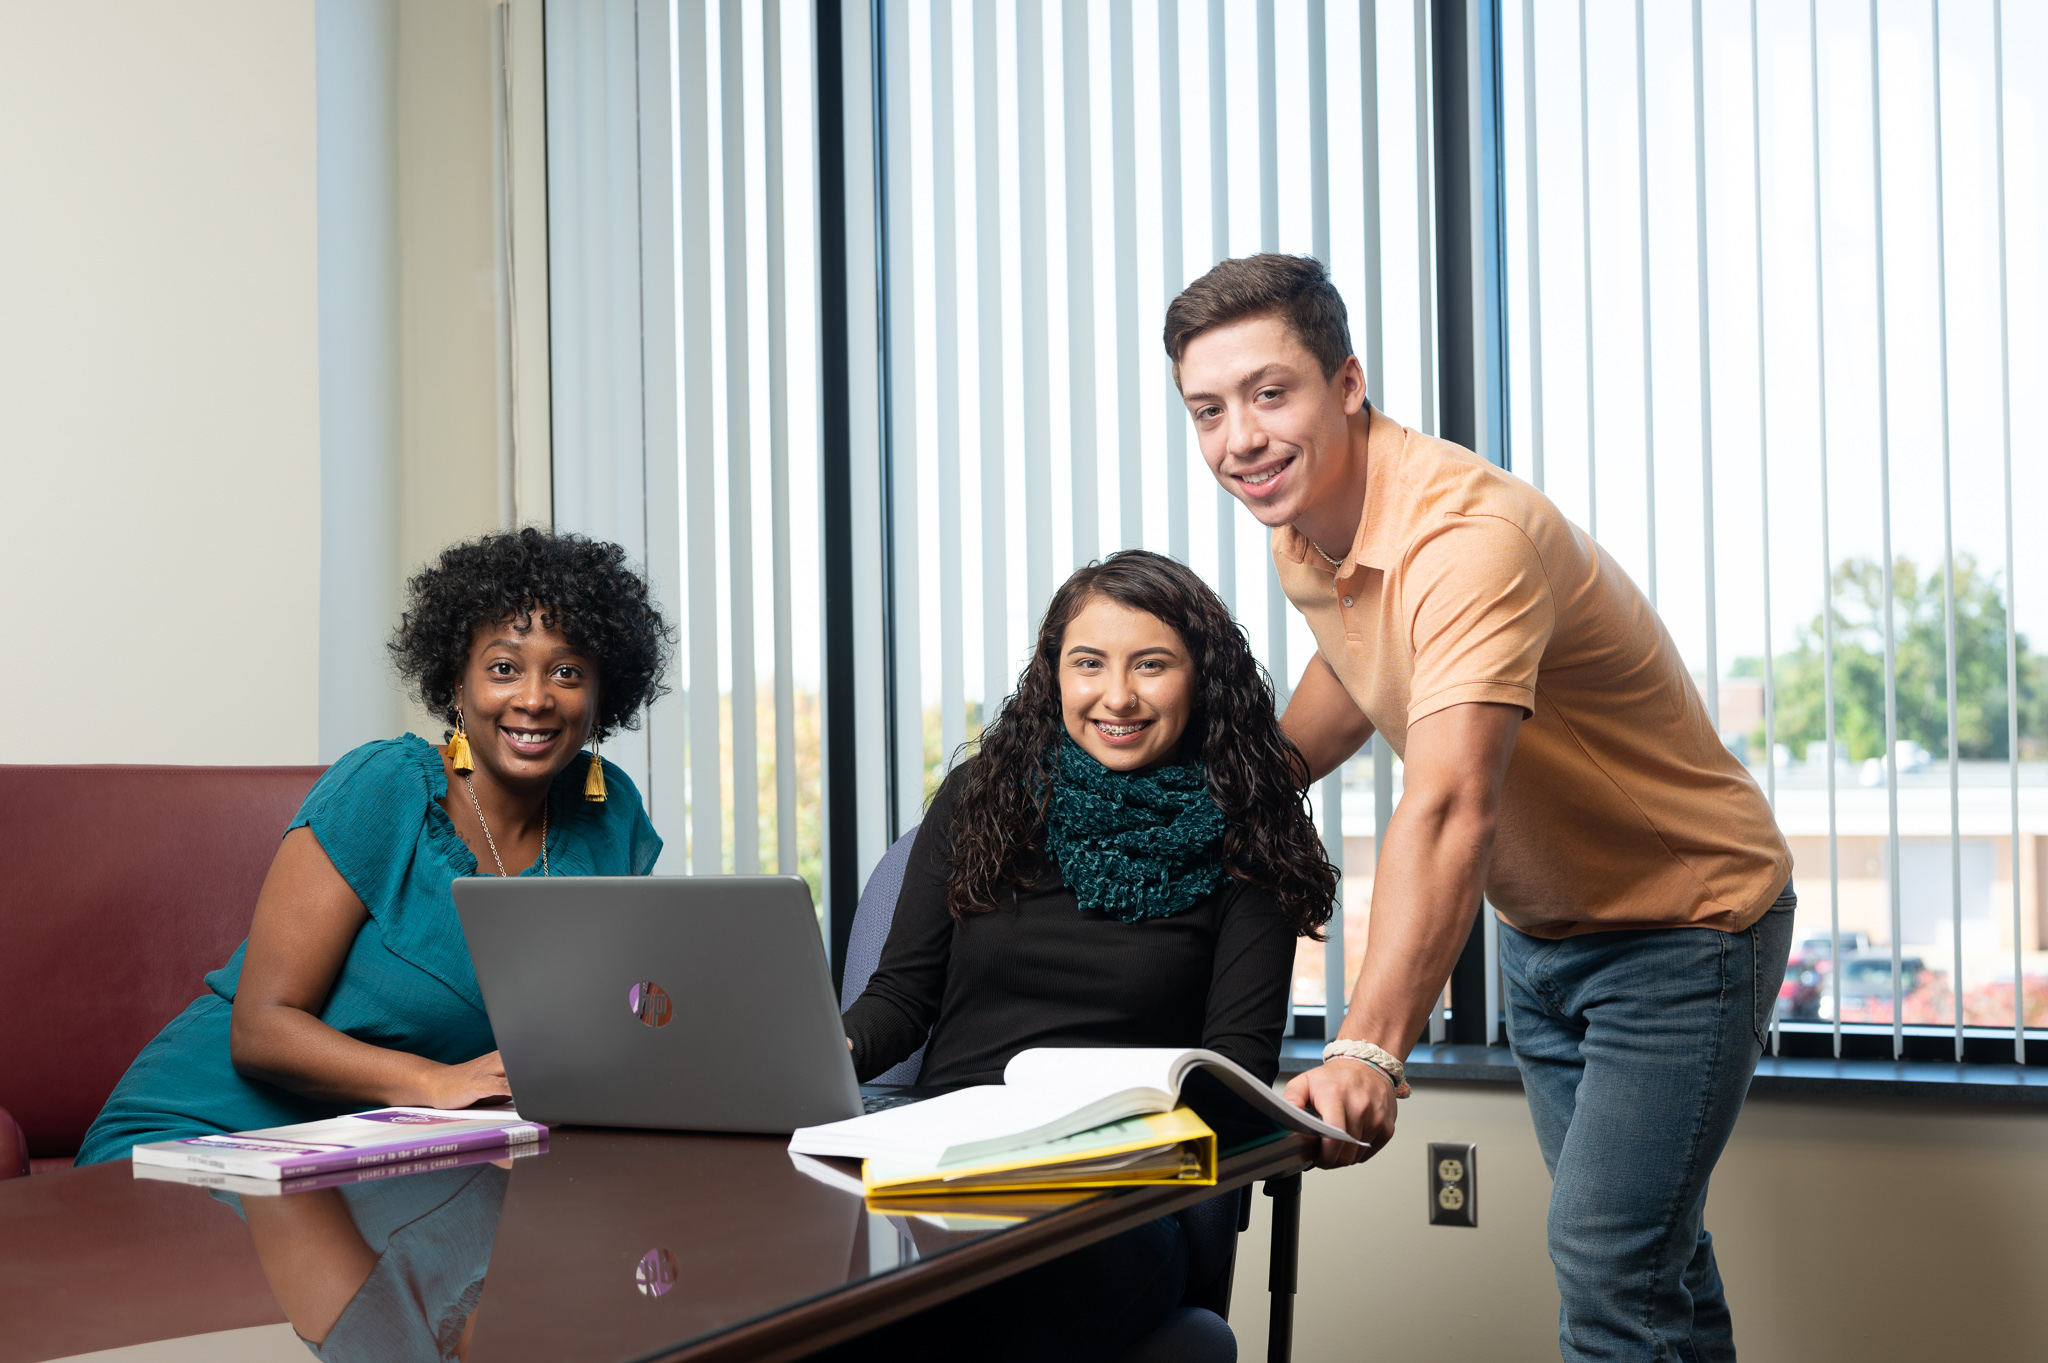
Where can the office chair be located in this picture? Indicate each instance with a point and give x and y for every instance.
(871, 920)
(1196, 1331)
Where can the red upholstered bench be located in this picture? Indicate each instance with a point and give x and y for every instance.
(124, 886)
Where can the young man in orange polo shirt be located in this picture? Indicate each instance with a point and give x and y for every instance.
(1557, 758)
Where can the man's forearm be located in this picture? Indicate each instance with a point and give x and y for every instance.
(1426, 889)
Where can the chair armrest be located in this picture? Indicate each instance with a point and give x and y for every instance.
(13, 1147)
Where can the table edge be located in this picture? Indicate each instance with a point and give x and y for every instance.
(836, 1316)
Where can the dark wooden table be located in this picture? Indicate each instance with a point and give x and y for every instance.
(611, 1246)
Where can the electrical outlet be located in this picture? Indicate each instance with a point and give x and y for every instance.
(1453, 1185)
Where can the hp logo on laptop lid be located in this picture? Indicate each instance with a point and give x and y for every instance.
(650, 1003)
(656, 1273)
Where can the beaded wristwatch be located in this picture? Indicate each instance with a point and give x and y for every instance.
(1378, 1057)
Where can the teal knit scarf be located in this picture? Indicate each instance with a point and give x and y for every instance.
(1133, 846)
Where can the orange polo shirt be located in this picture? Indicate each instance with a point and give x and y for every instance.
(1622, 807)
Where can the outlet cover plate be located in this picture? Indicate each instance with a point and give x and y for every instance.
(1453, 1185)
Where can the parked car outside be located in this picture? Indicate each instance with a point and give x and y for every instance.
(1807, 971)
(1866, 987)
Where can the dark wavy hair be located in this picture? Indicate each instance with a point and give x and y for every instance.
(1255, 774)
(583, 587)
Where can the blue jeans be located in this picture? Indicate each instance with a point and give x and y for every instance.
(1636, 1050)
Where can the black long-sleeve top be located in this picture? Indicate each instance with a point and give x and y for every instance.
(1038, 970)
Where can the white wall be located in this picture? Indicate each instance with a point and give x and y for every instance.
(159, 418)
(356, 75)
(167, 260)
(1846, 1230)
(416, 422)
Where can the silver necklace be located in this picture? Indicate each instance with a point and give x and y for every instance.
(492, 842)
(1333, 562)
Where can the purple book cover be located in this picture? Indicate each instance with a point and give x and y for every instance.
(358, 1141)
(243, 1183)
(349, 1177)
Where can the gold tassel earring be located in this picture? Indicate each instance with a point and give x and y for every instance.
(458, 748)
(593, 782)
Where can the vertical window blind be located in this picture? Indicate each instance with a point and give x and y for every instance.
(1052, 175)
(683, 295)
(1760, 316)
(1765, 337)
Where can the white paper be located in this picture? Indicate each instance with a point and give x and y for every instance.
(1048, 1093)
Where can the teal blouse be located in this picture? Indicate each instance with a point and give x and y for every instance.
(406, 983)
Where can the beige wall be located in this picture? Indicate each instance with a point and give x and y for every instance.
(1846, 1229)
(160, 533)
(1865, 893)
(447, 275)
(457, 479)
(159, 419)
(455, 473)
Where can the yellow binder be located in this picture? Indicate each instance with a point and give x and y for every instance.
(1162, 1147)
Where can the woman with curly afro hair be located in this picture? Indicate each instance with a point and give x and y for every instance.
(1127, 861)
(354, 989)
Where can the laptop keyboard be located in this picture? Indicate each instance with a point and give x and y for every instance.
(879, 1102)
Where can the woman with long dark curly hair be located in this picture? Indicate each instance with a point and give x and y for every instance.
(354, 989)
(1127, 861)
(1231, 743)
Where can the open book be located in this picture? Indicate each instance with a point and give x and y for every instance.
(391, 1135)
(1049, 1093)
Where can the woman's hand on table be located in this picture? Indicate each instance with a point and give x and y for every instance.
(453, 1087)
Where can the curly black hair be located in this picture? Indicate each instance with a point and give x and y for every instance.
(583, 587)
(1256, 775)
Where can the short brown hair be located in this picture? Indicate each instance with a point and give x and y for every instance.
(1296, 289)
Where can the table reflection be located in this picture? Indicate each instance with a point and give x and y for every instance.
(382, 1272)
(609, 1245)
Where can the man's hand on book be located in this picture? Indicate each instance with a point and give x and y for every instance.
(482, 1080)
(1350, 1095)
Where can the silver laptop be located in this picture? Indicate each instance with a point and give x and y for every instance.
(689, 1003)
